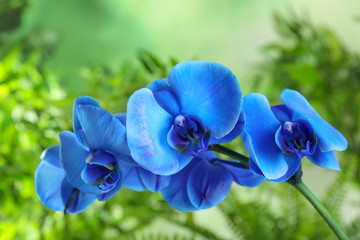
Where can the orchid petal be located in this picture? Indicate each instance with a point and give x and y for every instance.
(54, 190)
(209, 91)
(325, 159)
(282, 113)
(164, 96)
(176, 193)
(79, 201)
(85, 100)
(121, 117)
(51, 155)
(102, 130)
(73, 160)
(48, 180)
(147, 128)
(208, 184)
(153, 182)
(241, 175)
(132, 178)
(329, 138)
(239, 127)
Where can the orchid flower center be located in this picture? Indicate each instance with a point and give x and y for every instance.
(188, 134)
(101, 170)
(296, 139)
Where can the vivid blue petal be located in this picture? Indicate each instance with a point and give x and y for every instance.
(282, 113)
(159, 85)
(167, 101)
(123, 153)
(48, 180)
(153, 182)
(126, 157)
(209, 155)
(85, 100)
(176, 193)
(255, 168)
(102, 130)
(104, 159)
(121, 117)
(132, 177)
(241, 175)
(164, 96)
(51, 155)
(209, 91)
(325, 159)
(54, 190)
(240, 124)
(79, 202)
(259, 137)
(293, 164)
(147, 128)
(73, 160)
(248, 145)
(329, 138)
(208, 184)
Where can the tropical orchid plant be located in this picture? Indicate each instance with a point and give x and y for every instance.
(168, 139)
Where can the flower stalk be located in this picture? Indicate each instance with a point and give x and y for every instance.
(228, 152)
(296, 182)
(325, 214)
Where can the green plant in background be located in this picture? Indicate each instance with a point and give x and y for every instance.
(10, 17)
(34, 109)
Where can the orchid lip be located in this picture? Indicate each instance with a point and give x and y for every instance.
(188, 135)
(296, 139)
(101, 170)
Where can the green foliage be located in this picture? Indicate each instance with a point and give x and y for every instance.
(191, 226)
(10, 17)
(35, 108)
(353, 229)
(291, 217)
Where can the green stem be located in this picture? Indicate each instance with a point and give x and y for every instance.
(295, 181)
(326, 215)
(228, 152)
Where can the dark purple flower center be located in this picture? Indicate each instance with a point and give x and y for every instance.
(188, 134)
(296, 139)
(101, 170)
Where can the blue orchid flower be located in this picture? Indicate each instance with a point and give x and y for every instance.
(175, 119)
(89, 169)
(278, 137)
(91, 155)
(205, 182)
(89, 160)
(54, 190)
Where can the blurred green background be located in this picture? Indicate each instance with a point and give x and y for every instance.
(53, 51)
